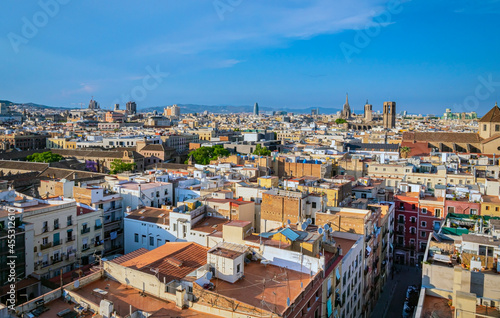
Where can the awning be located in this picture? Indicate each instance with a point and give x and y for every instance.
(369, 249)
(337, 273)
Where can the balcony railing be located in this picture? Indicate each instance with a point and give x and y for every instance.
(70, 238)
(56, 243)
(85, 230)
(97, 227)
(45, 246)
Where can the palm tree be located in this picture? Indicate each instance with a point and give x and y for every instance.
(404, 151)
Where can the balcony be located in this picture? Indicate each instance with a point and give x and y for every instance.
(97, 227)
(56, 243)
(85, 230)
(70, 238)
(45, 246)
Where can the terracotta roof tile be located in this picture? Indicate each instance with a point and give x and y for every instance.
(493, 116)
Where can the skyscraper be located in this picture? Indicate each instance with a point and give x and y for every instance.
(131, 108)
(256, 109)
(389, 115)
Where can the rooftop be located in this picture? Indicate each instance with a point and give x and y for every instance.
(270, 283)
(190, 255)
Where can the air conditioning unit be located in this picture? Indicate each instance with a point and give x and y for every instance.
(209, 213)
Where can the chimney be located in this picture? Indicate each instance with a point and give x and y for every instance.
(180, 294)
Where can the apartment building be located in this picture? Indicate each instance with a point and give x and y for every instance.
(374, 224)
(418, 215)
(280, 207)
(350, 287)
(90, 237)
(233, 209)
(55, 241)
(150, 194)
(150, 228)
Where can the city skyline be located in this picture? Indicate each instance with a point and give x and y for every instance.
(233, 53)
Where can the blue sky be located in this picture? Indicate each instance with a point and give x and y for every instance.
(425, 55)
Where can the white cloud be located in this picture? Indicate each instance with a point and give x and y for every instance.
(262, 23)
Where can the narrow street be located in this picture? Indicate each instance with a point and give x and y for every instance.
(390, 303)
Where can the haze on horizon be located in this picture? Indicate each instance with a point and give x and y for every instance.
(425, 55)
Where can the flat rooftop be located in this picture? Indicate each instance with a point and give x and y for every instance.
(124, 296)
(251, 288)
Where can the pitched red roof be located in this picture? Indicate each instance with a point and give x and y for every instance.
(189, 255)
(493, 116)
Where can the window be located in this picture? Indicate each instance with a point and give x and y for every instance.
(437, 213)
(314, 205)
(69, 220)
(238, 268)
(487, 207)
(413, 219)
(136, 237)
(45, 240)
(423, 224)
(175, 227)
(422, 234)
(473, 211)
(424, 210)
(484, 127)
(451, 209)
(413, 206)
(497, 127)
(401, 206)
(413, 230)
(56, 224)
(144, 239)
(151, 241)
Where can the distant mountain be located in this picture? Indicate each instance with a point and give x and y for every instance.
(226, 109)
(9, 103)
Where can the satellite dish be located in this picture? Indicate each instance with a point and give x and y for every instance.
(320, 231)
(326, 227)
(288, 301)
(330, 230)
(209, 275)
(77, 283)
(288, 221)
(309, 221)
(304, 226)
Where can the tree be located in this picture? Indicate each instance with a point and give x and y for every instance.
(204, 155)
(118, 166)
(339, 121)
(405, 151)
(46, 156)
(261, 151)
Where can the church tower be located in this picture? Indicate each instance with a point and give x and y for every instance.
(346, 111)
(368, 112)
(389, 115)
(489, 124)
